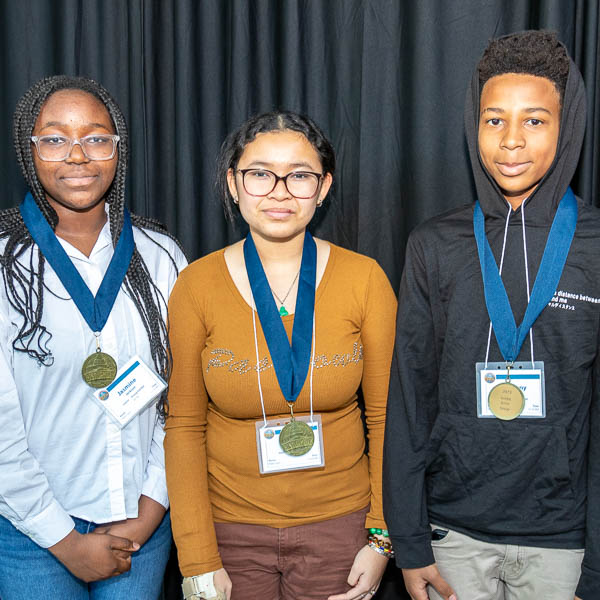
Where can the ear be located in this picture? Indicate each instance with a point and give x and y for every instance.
(232, 185)
(327, 181)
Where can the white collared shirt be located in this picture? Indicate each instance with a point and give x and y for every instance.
(60, 455)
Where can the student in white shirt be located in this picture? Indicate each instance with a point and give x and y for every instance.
(83, 502)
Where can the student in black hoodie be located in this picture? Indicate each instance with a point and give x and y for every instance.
(495, 495)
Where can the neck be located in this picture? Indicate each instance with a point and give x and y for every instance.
(79, 228)
(276, 252)
(516, 201)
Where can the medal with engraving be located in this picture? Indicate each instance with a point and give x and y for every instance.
(506, 400)
(99, 369)
(296, 437)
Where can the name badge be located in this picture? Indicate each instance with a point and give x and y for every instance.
(527, 376)
(134, 388)
(271, 456)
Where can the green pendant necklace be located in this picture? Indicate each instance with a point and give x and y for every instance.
(282, 309)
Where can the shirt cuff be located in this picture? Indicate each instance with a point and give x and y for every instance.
(48, 527)
(155, 485)
(589, 584)
(414, 552)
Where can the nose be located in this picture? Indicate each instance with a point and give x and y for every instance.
(513, 137)
(76, 155)
(280, 191)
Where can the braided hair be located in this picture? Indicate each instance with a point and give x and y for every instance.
(24, 280)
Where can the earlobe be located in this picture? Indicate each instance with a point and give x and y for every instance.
(326, 185)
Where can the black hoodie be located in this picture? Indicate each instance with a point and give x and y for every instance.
(525, 481)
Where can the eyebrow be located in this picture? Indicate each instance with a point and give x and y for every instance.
(500, 111)
(258, 163)
(59, 124)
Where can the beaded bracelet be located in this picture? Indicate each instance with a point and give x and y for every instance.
(380, 546)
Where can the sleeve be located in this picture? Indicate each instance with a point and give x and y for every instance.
(185, 441)
(155, 484)
(377, 334)
(589, 582)
(412, 404)
(26, 499)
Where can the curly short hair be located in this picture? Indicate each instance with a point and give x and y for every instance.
(538, 53)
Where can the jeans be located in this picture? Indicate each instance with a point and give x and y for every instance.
(29, 571)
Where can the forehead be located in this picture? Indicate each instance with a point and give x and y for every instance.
(519, 91)
(73, 107)
(285, 148)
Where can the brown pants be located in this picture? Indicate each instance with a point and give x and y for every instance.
(306, 562)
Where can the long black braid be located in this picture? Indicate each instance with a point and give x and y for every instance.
(24, 280)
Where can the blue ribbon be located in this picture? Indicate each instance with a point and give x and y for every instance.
(95, 310)
(510, 337)
(290, 362)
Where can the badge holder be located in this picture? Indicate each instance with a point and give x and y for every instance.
(502, 403)
(135, 387)
(272, 458)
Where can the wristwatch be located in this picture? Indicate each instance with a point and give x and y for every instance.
(201, 587)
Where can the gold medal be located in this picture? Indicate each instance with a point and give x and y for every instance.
(296, 438)
(506, 400)
(99, 369)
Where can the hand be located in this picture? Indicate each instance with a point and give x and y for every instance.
(94, 556)
(365, 575)
(222, 583)
(577, 598)
(416, 581)
(139, 529)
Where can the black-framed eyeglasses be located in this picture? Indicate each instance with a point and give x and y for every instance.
(54, 148)
(261, 182)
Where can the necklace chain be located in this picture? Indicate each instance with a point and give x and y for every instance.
(282, 302)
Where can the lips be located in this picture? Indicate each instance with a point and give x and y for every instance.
(78, 180)
(512, 169)
(278, 213)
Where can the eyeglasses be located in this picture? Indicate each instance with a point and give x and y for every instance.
(300, 184)
(58, 147)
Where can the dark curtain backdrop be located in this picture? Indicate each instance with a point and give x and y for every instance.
(386, 79)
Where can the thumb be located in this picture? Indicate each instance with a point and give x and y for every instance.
(120, 543)
(443, 588)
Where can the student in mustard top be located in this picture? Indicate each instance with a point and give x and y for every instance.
(272, 491)
(492, 445)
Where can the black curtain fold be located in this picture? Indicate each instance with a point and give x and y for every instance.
(386, 79)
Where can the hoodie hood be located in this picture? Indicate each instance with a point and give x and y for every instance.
(543, 202)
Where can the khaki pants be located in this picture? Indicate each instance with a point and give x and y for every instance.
(483, 571)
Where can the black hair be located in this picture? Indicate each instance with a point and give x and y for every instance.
(24, 280)
(538, 53)
(233, 147)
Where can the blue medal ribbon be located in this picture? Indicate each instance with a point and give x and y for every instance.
(510, 337)
(290, 362)
(95, 310)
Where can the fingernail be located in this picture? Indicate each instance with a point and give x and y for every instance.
(136, 546)
(453, 597)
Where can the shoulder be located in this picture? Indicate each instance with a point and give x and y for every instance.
(448, 223)
(158, 249)
(355, 268)
(204, 272)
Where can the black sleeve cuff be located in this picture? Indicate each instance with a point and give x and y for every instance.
(414, 552)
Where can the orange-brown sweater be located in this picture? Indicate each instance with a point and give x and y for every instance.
(211, 455)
